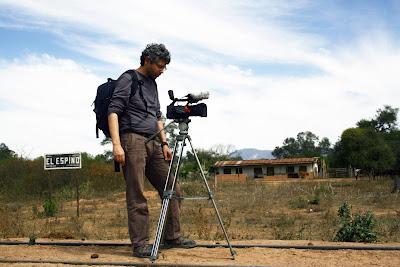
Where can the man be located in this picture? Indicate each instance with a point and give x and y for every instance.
(132, 119)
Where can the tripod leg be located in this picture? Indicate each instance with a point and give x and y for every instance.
(164, 206)
(167, 195)
(171, 164)
(233, 253)
(160, 226)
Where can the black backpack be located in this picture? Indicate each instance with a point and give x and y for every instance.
(103, 99)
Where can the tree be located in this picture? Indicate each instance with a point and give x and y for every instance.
(5, 152)
(374, 145)
(171, 132)
(324, 146)
(364, 148)
(289, 149)
(367, 124)
(393, 140)
(385, 120)
(306, 144)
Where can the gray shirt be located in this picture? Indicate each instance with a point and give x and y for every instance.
(134, 116)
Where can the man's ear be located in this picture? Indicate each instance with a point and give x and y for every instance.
(147, 60)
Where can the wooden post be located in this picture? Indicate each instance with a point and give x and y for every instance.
(77, 195)
(396, 185)
(49, 178)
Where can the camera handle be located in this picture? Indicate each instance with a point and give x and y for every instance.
(169, 188)
(157, 133)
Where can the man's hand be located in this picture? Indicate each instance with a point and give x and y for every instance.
(119, 154)
(167, 152)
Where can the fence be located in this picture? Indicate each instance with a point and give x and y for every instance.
(339, 172)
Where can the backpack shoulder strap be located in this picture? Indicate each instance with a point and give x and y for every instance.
(135, 82)
(136, 85)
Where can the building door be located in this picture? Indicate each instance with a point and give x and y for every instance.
(290, 172)
(258, 172)
(303, 171)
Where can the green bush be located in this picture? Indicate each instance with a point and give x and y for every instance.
(315, 199)
(32, 239)
(357, 229)
(50, 207)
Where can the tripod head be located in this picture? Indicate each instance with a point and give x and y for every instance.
(183, 125)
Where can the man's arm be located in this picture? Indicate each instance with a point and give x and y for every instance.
(117, 105)
(165, 149)
(118, 152)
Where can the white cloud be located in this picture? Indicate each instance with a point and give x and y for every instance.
(48, 106)
(250, 110)
(207, 25)
(214, 45)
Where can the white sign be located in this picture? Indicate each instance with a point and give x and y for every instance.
(62, 161)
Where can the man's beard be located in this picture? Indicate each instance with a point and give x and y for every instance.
(151, 74)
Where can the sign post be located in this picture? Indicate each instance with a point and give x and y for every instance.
(65, 161)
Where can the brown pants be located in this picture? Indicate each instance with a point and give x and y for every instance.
(146, 160)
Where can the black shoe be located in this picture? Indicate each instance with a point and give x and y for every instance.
(180, 243)
(142, 251)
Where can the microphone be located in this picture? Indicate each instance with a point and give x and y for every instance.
(193, 98)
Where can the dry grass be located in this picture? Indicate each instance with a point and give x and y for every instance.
(298, 209)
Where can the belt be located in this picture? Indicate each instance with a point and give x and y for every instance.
(147, 135)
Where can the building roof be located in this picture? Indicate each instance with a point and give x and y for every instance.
(287, 161)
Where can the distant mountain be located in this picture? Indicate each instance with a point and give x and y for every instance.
(252, 153)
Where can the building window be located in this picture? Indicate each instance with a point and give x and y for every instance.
(258, 172)
(290, 172)
(239, 170)
(227, 170)
(290, 169)
(270, 171)
(303, 171)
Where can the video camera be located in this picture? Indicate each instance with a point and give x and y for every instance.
(176, 112)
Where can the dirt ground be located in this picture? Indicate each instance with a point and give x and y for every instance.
(204, 256)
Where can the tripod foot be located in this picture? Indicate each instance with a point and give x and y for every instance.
(233, 254)
(153, 258)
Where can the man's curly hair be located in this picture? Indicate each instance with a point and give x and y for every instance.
(155, 52)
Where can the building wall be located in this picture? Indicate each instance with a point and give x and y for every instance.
(249, 172)
(280, 171)
(230, 178)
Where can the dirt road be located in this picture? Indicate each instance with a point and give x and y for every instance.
(206, 256)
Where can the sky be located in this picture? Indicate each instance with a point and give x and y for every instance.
(272, 68)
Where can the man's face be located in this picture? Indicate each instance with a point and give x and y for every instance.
(155, 69)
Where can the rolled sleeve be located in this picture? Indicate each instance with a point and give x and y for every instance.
(158, 108)
(158, 114)
(120, 97)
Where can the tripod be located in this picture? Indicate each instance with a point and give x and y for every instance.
(168, 193)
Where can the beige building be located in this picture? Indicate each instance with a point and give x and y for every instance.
(270, 169)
